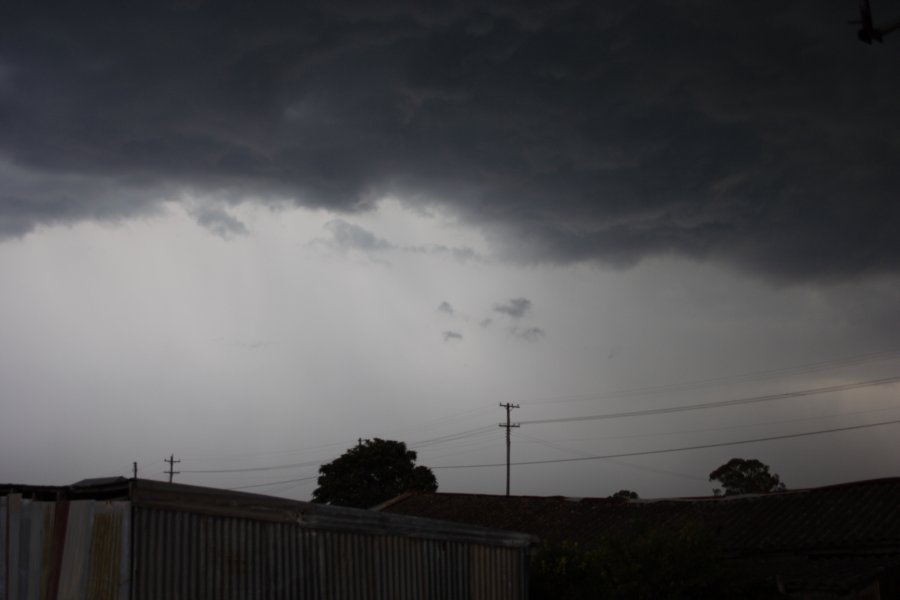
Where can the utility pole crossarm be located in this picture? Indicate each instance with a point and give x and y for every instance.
(508, 426)
(172, 462)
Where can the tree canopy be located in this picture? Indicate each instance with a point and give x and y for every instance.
(372, 472)
(746, 476)
(625, 495)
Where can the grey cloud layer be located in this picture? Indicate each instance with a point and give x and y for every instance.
(765, 137)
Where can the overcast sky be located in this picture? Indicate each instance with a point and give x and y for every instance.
(250, 235)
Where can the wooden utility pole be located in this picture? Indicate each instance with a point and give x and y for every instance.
(134, 469)
(508, 426)
(172, 462)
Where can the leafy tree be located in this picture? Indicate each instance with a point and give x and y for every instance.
(746, 476)
(625, 495)
(372, 472)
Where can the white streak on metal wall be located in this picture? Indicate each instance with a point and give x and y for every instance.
(107, 577)
(72, 579)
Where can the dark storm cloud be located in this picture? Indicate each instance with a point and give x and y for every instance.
(515, 308)
(446, 307)
(765, 135)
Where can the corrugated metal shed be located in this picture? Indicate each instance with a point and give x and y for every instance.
(136, 539)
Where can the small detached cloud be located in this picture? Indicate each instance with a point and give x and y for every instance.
(449, 336)
(530, 334)
(219, 222)
(515, 308)
(446, 307)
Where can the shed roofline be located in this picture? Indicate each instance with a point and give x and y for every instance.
(156, 495)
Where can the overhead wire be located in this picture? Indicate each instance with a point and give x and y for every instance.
(424, 443)
(308, 463)
(681, 449)
(617, 461)
(259, 485)
(450, 437)
(735, 402)
(716, 381)
(729, 427)
(344, 444)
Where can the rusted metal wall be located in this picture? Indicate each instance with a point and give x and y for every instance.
(64, 550)
(181, 555)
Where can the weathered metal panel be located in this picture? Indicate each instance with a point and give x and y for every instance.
(4, 541)
(12, 546)
(182, 555)
(28, 524)
(58, 550)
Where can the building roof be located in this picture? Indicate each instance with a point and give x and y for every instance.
(852, 517)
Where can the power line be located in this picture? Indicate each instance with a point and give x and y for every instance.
(737, 378)
(283, 488)
(433, 441)
(458, 435)
(613, 460)
(309, 463)
(729, 427)
(451, 437)
(721, 403)
(258, 485)
(682, 449)
(430, 424)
